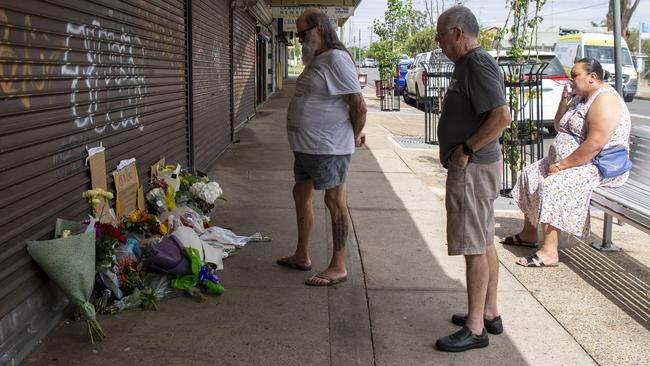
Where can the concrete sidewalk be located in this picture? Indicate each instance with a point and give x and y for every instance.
(402, 287)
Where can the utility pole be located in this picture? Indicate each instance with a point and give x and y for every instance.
(617, 48)
(359, 46)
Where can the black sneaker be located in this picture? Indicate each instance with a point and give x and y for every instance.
(494, 326)
(462, 340)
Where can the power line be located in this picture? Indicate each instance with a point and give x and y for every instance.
(555, 13)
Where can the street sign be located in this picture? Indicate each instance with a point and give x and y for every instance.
(645, 31)
(289, 24)
(296, 11)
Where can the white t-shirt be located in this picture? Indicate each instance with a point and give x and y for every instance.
(318, 119)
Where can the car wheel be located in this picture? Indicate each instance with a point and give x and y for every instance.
(418, 99)
(629, 98)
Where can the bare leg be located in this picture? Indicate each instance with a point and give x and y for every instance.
(491, 310)
(478, 278)
(302, 196)
(529, 232)
(548, 253)
(336, 202)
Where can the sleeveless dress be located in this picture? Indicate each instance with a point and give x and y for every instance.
(562, 199)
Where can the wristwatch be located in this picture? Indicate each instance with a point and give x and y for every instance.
(467, 150)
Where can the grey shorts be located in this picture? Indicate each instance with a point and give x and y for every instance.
(469, 200)
(326, 171)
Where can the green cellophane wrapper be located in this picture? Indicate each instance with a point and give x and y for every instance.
(70, 263)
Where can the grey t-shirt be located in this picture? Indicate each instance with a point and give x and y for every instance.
(476, 87)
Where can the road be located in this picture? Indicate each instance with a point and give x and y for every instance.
(640, 112)
(639, 109)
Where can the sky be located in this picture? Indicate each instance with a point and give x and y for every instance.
(566, 13)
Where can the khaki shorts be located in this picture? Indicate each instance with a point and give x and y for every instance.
(469, 200)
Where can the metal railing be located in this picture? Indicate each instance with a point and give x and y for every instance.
(436, 82)
(522, 142)
(389, 95)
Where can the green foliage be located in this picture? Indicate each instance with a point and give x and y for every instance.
(393, 32)
(486, 39)
(421, 41)
(633, 42)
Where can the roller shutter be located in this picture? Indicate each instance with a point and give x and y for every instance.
(243, 63)
(76, 74)
(211, 117)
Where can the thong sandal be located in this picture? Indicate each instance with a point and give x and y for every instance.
(319, 281)
(517, 241)
(285, 263)
(535, 261)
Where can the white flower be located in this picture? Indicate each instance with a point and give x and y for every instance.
(209, 192)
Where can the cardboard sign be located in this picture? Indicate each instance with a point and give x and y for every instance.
(97, 162)
(127, 190)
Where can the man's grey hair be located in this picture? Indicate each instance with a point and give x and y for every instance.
(315, 18)
(460, 16)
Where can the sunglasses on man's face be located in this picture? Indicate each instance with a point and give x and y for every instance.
(303, 33)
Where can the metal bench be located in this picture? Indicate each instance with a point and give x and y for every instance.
(631, 202)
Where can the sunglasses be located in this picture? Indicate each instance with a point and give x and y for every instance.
(303, 33)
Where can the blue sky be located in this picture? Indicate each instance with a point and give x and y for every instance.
(570, 13)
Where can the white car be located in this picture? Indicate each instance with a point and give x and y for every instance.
(414, 88)
(369, 62)
(414, 79)
(554, 78)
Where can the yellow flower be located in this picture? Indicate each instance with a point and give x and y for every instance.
(95, 201)
(133, 216)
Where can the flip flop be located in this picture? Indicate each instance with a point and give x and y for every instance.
(283, 262)
(324, 281)
(535, 261)
(517, 241)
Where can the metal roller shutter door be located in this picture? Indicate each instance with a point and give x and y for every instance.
(211, 125)
(243, 63)
(74, 74)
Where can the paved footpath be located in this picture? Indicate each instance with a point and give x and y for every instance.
(402, 286)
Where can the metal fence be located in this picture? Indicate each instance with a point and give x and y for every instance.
(436, 82)
(522, 142)
(389, 95)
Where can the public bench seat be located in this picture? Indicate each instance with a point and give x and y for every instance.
(631, 202)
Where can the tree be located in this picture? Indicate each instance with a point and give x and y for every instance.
(627, 9)
(486, 38)
(393, 31)
(421, 41)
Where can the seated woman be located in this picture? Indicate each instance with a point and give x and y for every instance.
(555, 191)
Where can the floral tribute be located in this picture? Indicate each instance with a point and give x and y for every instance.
(107, 266)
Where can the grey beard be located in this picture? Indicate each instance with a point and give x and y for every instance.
(308, 55)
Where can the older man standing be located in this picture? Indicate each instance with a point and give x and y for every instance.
(324, 123)
(473, 117)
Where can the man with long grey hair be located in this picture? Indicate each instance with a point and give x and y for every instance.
(324, 123)
(473, 117)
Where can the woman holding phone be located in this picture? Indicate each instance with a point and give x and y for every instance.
(554, 192)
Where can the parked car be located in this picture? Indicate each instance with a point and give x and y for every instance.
(400, 73)
(553, 80)
(369, 62)
(415, 88)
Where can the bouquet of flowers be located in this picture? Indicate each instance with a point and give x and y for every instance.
(95, 197)
(205, 195)
(143, 223)
(69, 260)
(106, 237)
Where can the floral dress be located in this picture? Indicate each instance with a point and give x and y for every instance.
(562, 199)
